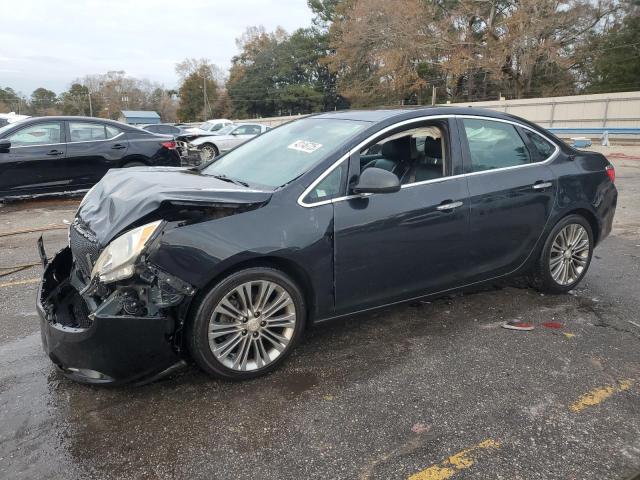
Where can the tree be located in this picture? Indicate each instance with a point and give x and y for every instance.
(199, 89)
(76, 101)
(42, 100)
(280, 74)
(388, 52)
(612, 58)
(10, 101)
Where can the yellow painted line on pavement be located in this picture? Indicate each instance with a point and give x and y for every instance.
(598, 395)
(19, 282)
(455, 463)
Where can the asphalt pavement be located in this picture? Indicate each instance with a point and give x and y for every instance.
(427, 391)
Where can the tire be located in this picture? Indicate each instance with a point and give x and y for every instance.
(133, 164)
(257, 351)
(548, 274)
(208, 152)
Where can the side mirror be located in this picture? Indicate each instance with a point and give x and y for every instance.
(234, 133)
(5, 146)
(377, 180)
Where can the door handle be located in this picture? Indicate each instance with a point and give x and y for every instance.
(55, 152)
(540, 185)
(449, 206)
(118, 146)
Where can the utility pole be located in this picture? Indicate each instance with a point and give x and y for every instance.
(433, 96)
(204, 89)
(90, 105)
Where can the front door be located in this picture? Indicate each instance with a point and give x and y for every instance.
(33, 164)
(511, 194)
(394, 246)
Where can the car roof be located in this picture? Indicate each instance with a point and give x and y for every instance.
(375, 116)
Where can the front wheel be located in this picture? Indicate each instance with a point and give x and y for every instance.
(246, 325)
(565, 257)
(208, 152)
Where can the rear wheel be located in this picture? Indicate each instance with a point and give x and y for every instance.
(246, 325)
(565, 257)
(208, 152)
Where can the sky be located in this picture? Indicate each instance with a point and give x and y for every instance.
(45, 43)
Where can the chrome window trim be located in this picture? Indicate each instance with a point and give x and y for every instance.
(425, 182)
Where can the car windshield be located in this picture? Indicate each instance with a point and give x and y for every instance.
(284, 153)
(205, 126)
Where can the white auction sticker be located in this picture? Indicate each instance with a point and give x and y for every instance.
(304, 146)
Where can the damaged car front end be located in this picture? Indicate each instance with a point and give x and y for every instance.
(109, 314)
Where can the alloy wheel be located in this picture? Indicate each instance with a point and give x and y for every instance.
(569, 254)
(207, 153)
(252, 325)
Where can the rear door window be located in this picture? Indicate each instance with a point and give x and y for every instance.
(494, 145)
(86, 132)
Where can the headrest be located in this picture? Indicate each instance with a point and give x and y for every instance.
(432, 148)
(398, 149)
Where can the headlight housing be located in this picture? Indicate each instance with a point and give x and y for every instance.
(117, 261)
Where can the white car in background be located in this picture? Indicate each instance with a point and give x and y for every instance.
(213, 145)
(209, 127)
(12, 117)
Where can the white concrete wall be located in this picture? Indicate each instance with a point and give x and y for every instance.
(599, 110)
(578, 111)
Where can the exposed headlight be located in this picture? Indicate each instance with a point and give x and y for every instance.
(117, 261)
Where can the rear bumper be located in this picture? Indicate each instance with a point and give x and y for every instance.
(112, 349)
(607, 211)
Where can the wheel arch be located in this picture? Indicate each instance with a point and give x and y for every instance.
(285, 265)
(134, 158)
(590, 217)
(204, 144)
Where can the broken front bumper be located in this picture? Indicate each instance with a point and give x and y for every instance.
(94, 348)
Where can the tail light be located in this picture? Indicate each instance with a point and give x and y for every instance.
(169, 145)
(611, 172)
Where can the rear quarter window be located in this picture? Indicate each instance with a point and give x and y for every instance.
(541, 149)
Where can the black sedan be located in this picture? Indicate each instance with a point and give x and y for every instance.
(317, 219)
(53, 155)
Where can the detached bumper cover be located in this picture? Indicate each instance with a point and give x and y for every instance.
(110, 349)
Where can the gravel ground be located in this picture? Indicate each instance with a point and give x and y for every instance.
(431, 390)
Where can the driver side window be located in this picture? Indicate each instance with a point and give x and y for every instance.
(414, 155)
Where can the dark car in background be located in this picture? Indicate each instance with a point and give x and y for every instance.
(53, 155)
(320, 218)
(167, 129)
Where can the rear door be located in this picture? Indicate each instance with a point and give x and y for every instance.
(35, 162)
(512, 192)
(93, 149)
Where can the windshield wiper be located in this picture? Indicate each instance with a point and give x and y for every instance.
(235, 181)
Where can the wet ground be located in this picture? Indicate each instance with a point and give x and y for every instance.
(425, 391)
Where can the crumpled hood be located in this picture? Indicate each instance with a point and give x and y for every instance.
(128, 194)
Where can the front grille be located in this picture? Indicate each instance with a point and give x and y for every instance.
(84, 247)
